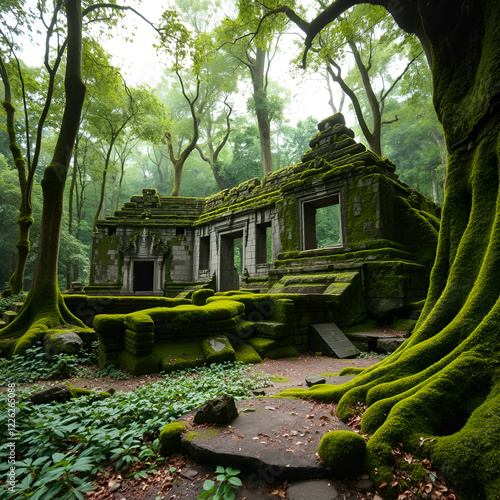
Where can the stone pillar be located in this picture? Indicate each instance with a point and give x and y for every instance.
(126, 287)
(159, 275)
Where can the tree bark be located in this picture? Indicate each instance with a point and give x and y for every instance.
(25, 219)
(178, 162)
(257, 70)
(44, 307)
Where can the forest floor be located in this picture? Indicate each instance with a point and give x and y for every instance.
(187, 482)
(178, 477)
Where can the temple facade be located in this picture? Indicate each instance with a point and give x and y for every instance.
(376, 248)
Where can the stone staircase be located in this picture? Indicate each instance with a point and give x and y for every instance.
(8, 316)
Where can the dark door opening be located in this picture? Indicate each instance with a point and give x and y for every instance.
(143, 275)
(231, 261)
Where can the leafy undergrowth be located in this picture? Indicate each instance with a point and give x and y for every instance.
(7, 302)
(59, 447)
(33, 366)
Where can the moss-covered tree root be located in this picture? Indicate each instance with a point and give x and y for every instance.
(42, 311)
(442, 387)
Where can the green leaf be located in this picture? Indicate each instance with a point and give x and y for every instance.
(58, 457)
(236, 481)
(208, 485)
(204, 494)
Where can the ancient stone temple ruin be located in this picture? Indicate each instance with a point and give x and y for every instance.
(264, 236)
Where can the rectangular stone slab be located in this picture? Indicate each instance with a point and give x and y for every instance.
(329, 339)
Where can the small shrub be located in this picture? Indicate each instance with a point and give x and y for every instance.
(227, 483)
(6, 302)
(34, 366)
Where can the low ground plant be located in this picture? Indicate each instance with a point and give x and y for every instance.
(6, 302)
(226, 486)
(60, 446)
(33, 366)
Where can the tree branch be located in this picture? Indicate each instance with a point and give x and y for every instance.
(396, 119)
(390, 89)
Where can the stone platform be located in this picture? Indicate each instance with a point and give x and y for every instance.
(278, 438)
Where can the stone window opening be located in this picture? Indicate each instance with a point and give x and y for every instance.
(263, 247)
(204, 260)
(321, 222)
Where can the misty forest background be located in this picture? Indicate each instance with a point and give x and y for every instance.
(132, 136)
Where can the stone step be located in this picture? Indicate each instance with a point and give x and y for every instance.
(329, 339)
(8, 316)
(16, 306)
(2, 324)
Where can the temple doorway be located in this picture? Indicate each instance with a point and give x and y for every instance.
(144, 275)
(231, 261)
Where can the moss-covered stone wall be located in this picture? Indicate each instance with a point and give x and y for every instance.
(381, 221)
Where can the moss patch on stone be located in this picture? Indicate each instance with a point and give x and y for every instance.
(264, 346)
(285, 352)
(135, 365)
(245, 353)
(77, 392)
(342, 452)
(170, 438)
(199, 297)
(217, 349)
(202, 434)
(179, 355)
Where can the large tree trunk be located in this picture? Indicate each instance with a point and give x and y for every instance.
(439, 393)
(44, 307)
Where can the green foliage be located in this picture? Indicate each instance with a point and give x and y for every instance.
(60, 445)
(371, 355)
(34, 366)
(112, 372)
(227, 483)
(6, 302)
(247, 161)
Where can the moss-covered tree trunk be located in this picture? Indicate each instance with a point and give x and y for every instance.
(25, 219)
(439, 393)
(44, 307)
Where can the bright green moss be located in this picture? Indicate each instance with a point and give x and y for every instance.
(264, 346)
(175, 356)
(170, 438)
(139, 321)
(199, 297)
(279, 380)
(342, 452)
(77, 392)
(286, 352)
(217, 349)
(245, 353)
(202, 434)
